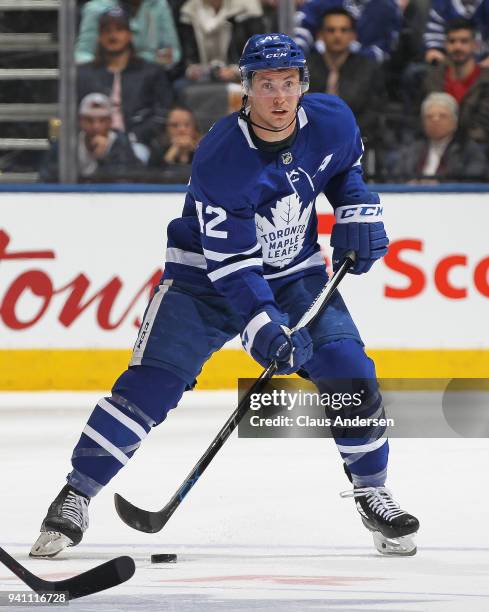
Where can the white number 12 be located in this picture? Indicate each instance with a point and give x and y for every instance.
(208, 229)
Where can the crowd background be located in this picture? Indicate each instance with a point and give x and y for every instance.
(153, 75)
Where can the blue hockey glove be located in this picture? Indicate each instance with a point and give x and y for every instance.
(359, 228)
(267, 338)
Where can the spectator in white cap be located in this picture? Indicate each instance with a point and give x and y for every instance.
(103, 153)
(441, 154)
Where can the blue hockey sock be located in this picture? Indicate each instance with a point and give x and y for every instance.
(369, 468)
(141, 398)
(343, 366)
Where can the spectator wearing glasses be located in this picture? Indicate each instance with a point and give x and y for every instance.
(335, 69)
(441, 154)
(140, 91)
(152, 23)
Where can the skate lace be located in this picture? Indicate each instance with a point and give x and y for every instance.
(379, 499)
(75, 508)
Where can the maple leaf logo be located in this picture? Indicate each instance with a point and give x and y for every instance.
(282, 237)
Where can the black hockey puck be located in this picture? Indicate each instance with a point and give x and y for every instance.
(163, 558)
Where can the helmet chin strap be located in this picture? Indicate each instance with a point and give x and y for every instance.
(245, 117)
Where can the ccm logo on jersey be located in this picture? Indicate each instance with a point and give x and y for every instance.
(363, 213)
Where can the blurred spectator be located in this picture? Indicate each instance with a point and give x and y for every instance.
(464, 79)
(155, 35)
(444, 11)
(337, 70)
(213, 34)
(175, 151)
(139, 90)
(378, 24)
(102, 151)
(270, 13)
(409, 48)
(440, 155)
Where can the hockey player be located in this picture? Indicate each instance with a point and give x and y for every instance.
(244, 259)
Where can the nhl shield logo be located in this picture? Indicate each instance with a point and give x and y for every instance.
(287, 158)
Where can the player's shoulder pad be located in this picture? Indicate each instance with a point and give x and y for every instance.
(225, 169)
(330, 118)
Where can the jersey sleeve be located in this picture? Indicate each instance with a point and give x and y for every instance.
(434, 35)
(347, 187)
(233, 254)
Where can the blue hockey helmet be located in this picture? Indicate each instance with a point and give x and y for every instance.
(272, 52)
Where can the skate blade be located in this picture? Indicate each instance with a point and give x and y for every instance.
(394, 547)
(49, 544)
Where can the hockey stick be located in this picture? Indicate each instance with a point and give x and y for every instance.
(105, 576)
(151, 522)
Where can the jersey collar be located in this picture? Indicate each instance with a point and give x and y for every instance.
(301, 116)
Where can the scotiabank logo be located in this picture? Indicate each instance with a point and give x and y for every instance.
(397, 259)
(77, 293)
(413, 279)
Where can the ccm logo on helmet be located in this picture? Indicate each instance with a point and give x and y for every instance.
(269, 55)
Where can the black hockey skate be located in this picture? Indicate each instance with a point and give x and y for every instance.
(64, 525)
(393, 529)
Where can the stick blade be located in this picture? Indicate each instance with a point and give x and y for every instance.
(105, 576)
(137, 518)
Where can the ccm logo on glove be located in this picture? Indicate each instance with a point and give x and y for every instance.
(365, 213)
(360, 229)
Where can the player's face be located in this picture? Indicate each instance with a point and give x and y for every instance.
(273, 99)
(460, 46)
(337, 33)
(114, 37)
(439, 122)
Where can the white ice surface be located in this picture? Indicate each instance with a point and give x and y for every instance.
(264, 528)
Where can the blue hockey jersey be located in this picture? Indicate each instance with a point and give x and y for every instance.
(249, 217)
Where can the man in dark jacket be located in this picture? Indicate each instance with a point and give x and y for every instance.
(378, 21)
(139, 91)
(355, 78)
(441, 155)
